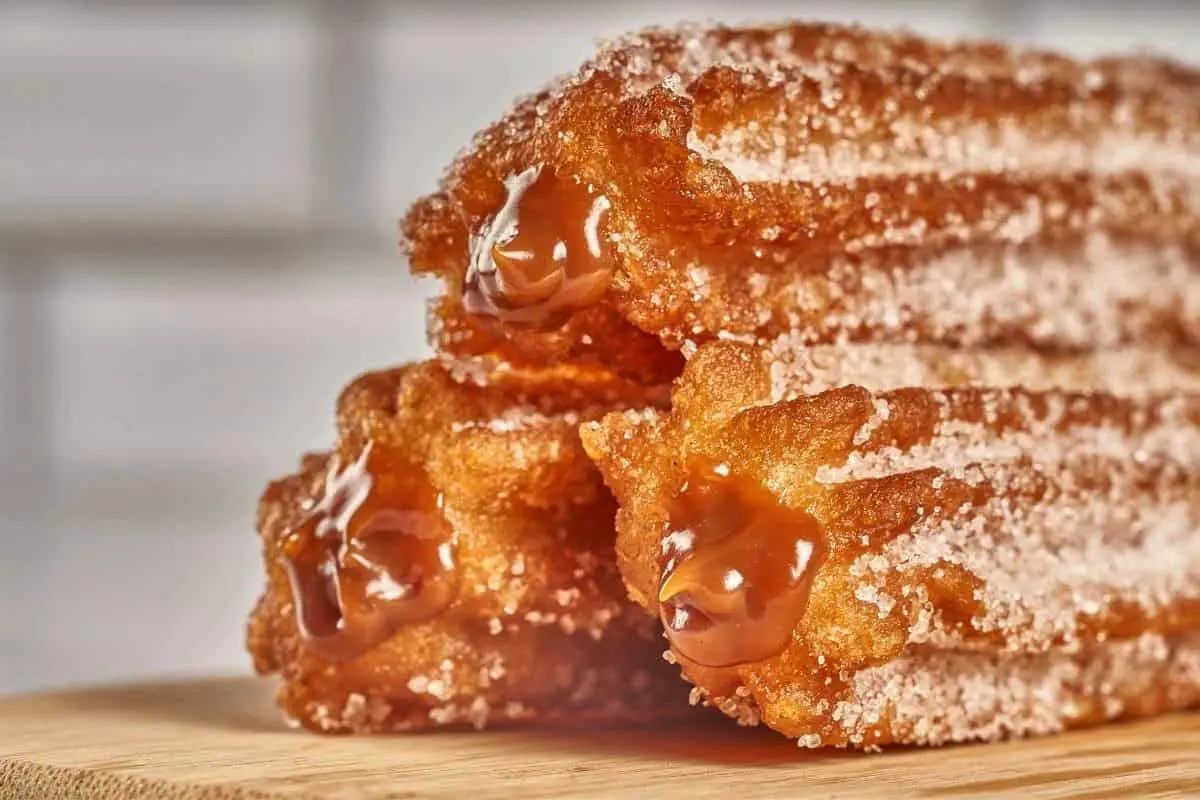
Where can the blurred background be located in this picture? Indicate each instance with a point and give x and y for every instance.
(197, 212)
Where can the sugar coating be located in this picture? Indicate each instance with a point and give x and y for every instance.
(799, 369)
(956, 445)
(648, 57)
(1094, 292)
(1044, 567)
(978, 148)
(1070, 294)
(939, 697)
(1002, 561)
(840, 185)
(1080, 516)
(539, 627)
(805, 187)
(837, 121)
(516, 419)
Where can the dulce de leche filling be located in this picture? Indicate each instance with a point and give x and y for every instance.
(737, 569)
(544, 255)
(373, 554)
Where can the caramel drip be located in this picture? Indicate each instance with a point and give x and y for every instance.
(543, 256)
(373, 554)
(738, 569)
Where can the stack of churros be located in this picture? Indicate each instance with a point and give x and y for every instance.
(858, 371)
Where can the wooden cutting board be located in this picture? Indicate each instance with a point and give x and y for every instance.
(219, 739)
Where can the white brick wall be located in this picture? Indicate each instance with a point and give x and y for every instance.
(1159, 25)
(214, 366)
(143, 115)
(154, 160)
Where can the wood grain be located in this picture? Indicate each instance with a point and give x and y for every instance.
(222, 740)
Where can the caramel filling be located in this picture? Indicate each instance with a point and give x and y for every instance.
(737, 570)
(374, 554)
(543, 256)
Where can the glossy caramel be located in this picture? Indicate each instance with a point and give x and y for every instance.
(970, 532)
(544, 255)
(539, 629)
(373, 554)
(738, 569)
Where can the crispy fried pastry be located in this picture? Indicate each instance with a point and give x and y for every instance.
(825, 184)
(860, 566)
(797, 370)
(451, 562)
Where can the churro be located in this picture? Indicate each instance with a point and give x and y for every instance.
(450, 562)
(917, 565)
(826, 184)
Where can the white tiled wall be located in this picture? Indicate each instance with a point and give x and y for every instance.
(211, 365)
(175, 320)
(145, 114)
(1159, 25)
(175, 391)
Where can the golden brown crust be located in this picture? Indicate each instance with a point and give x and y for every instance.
(538, 628)
(830, 183)
(1135, 370)
(1006, 548)
(1016, 525)
(479, 343)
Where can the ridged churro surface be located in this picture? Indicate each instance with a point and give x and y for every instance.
(827, 184)
(450, 562)
(916, 564)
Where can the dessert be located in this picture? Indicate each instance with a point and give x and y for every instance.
(930, 473)
(451, 562)
(928, 564)
(819, 184)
